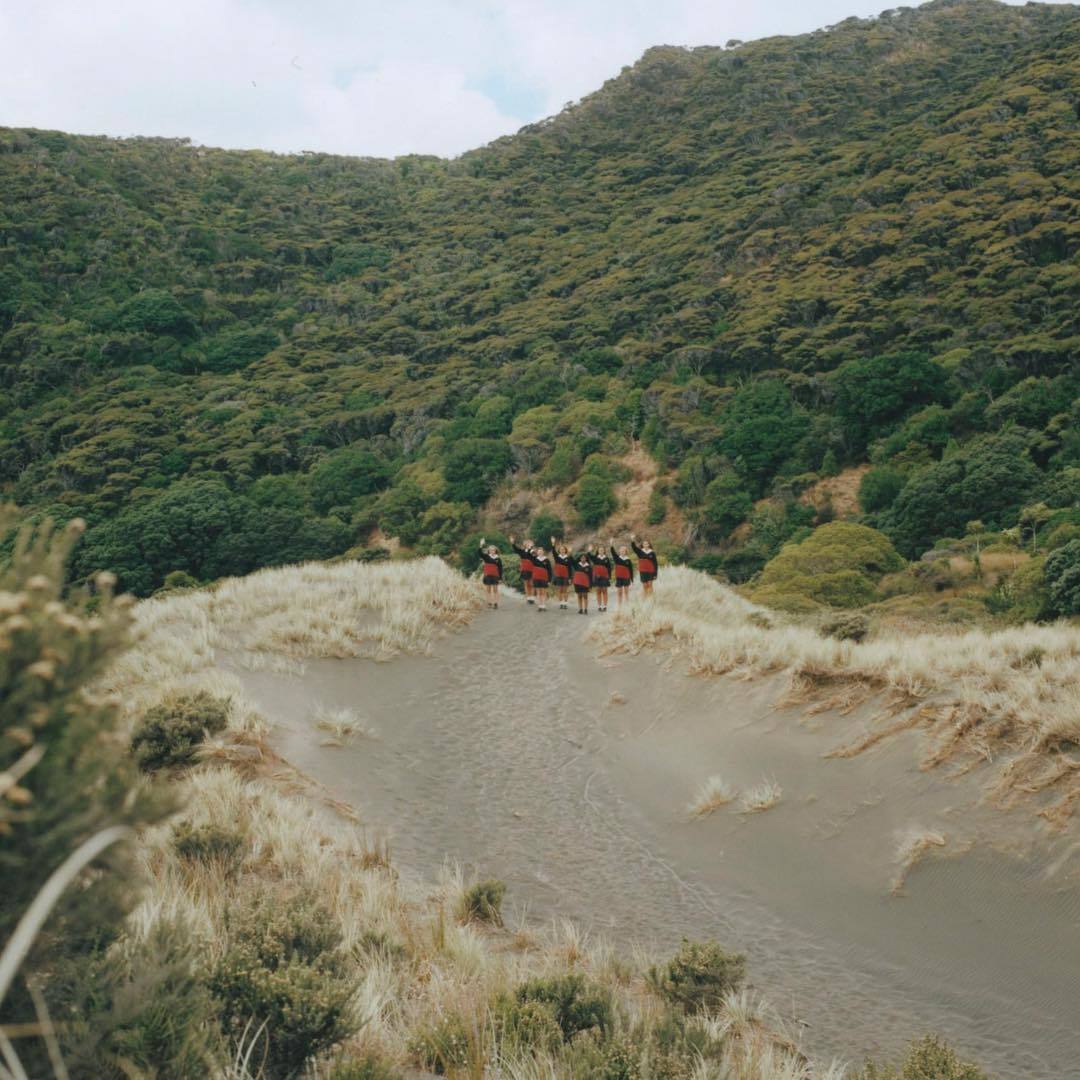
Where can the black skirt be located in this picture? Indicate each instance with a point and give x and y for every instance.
(492, 579)
(581, 590)
(646, 576)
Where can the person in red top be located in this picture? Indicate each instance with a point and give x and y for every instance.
(526, 567)
(648, 563)
(601, 574)
(541, 576)
(563, 564)
(583, 579)
(493, 572)
(624, 573)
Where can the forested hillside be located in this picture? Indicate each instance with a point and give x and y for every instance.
(767, 262)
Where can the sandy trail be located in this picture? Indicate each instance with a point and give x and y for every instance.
(505, 750)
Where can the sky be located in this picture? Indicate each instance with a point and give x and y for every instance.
(365, 77)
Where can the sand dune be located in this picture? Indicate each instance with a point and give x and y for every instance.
(518, 750)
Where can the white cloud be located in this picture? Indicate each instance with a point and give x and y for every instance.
(378, 77)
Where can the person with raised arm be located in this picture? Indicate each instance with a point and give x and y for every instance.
(563, 568)
(601, 574)
(583, 581)
(493, 571)
(524, 553)
(541, 576)
(624, 572)
(648, 563)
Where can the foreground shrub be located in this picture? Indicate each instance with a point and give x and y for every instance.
(65, 775)
(207, 843)
(169, 733)
(282, 968)
(137, 1010)
(699, 975)
(483, 901)
(576, 1004)
(928, 1059)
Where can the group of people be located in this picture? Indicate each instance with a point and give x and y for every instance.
(588, 570)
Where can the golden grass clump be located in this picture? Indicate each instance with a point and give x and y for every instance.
(764, 795)
(713, 793)
(913, 844)
(979, 692)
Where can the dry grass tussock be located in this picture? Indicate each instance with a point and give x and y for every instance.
(912, 845)
(420, 973)
(277, 618)
(1010, 697)
(713, 793)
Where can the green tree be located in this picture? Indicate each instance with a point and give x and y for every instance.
(343, 477)
(726, 504)
(1062, 573)
(473, 467)
(761, 428)
(878, 390)
(595, 500)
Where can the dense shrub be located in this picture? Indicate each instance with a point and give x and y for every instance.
(1062, 573)
(169, 733)
(483, 901)
(657, 508)
(345, 476)
(928, 1059)
(546, 525)
(879, 487)
(595, 500)
(282, 967)
(725, 504)
(576, 1004)
(838, 564)
(526, 1025)
(209, 843)
(847, 626)
(138, 1009)
(699, 975)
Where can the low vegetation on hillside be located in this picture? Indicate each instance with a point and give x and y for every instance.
(764, 263)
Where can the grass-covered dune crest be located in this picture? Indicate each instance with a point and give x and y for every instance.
(1009, 697)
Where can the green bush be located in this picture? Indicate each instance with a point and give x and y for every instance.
(576, 1004)
(170, 733)
(282, 967)
(1062, 573)
(180, 579)
(838, 564)
(483, 901)
(846, 626)
(546, 525)
(657, 508)
(595, 500)
(699, 975)
(526, 1025)
(137, 1009)
(879, 487)
(928, 1059)
(209, 843)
